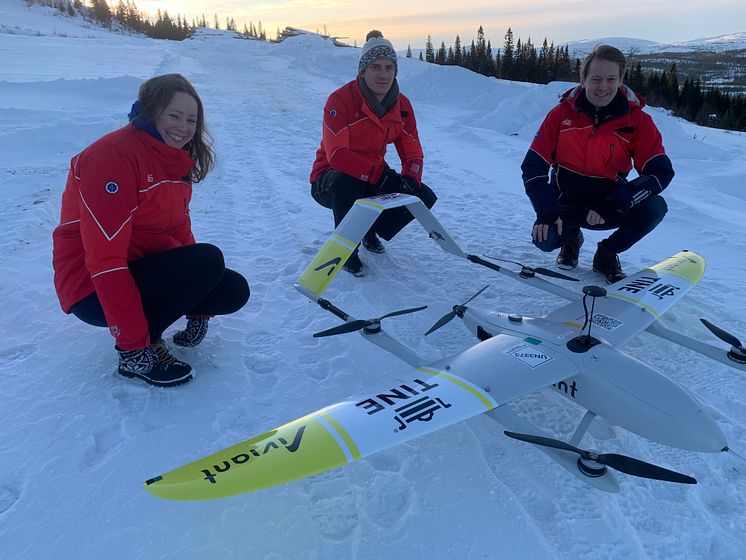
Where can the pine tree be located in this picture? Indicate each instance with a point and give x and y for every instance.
(489, 62)
(480, 52)
(409, 51)
(673, 86)
(429, 51)
(636, 80)
(458, 58)
(506, 67)
(100, 12)
(518, 61)
(441, 56)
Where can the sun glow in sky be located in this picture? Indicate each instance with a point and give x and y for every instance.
(410, 22)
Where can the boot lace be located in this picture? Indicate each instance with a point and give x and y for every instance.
(162, 353)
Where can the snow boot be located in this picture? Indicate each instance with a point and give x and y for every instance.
(570, 251)
(607, 264)
(154, 365)
(372, 243)
(354, 265)
(193, 334)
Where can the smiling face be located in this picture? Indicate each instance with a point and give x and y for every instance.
(602, 82)
(177, 123)
(379, 76)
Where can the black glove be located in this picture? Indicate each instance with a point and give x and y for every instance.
(410, 185)
(632, 193)
(389, 182)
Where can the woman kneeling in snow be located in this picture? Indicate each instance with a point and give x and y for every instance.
(124, 253)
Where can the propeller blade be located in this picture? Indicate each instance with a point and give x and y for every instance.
(475, 295)
(403, 312)
(636, 467)
(355, 325)
(546, 442)
(358, 324)
(622, 463)
(725, 336)
(442, 321)
(449, 316)
(553, 274)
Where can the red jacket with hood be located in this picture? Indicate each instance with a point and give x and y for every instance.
(591, 153)
(354, 138)
(127, 196)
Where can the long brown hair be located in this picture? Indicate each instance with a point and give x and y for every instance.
(156, 93)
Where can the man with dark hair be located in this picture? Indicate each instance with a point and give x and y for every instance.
(360, 119)
(590, 141)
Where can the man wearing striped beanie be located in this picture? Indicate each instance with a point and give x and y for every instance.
(360, 119)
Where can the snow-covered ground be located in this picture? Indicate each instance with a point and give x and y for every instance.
(77, 442)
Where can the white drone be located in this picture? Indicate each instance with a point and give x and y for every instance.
(573, 349)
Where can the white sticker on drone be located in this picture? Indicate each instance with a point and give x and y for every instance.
(529, 354)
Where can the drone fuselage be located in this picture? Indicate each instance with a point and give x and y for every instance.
(609, 382)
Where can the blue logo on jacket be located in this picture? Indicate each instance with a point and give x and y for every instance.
(111, 187)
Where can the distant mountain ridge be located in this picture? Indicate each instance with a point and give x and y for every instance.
(717, 61)
(728, 42)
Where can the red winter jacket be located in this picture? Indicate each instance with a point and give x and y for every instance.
(590, 160)
(126, 197)
(354, 138)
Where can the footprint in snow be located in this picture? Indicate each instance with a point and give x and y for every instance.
(333, 506)
(8, 496)
(104, 442)
(132, 398)
(386, 509)
(15, 354)
(315, 369)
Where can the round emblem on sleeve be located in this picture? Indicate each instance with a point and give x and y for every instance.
(333, 113)
(111, 187)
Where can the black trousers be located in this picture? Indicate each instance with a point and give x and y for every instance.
(189, 280)
(339, 192)
(630, 228)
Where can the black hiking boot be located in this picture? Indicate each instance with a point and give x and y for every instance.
(354, 265)
(570, 251)
(193, 334)
(607, 264)
(372, 243)
(154, 365)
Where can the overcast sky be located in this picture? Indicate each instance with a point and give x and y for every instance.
(410, 22)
